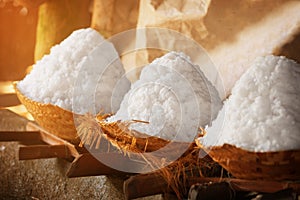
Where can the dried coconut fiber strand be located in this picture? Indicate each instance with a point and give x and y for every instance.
(169, 89)
(163, 156)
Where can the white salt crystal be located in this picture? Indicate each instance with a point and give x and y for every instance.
(81, 74)
(174, 96)
(263, 112)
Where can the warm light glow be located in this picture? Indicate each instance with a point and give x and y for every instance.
(21, 110)
(7, 87)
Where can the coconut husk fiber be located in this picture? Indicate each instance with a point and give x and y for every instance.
(119, 134)
(128, 141)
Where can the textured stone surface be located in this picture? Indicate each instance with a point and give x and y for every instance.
(45, 178)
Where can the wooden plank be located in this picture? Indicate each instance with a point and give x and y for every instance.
(7, 100)
(87, 165)
(143, 185)
(45, 151)
(28, 137)
(52, 139)
(264, 186)
(45, 135)
(151, 184)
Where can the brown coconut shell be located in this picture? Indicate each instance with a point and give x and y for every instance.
(119, 135)
(184, 157)
(280, 165)
(52, 118)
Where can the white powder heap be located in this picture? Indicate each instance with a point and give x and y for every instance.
(80, 75)
(263, 112)
(174, 96)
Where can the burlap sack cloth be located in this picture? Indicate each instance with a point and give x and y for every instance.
(114, 16)
(185, 17)
(233, 33)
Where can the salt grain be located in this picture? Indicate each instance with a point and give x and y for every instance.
(263, 112)
(174, 96)
(81, 74)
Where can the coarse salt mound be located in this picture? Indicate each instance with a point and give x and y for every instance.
(174, 96)
(263, 112)
(80, 75)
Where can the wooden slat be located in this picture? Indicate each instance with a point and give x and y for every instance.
(32, 137)
(253, 185)
(52, 139)
(7, 100)
(87, 165)
(45, 151)
(151, 184)
(45, 135)
(143, 185)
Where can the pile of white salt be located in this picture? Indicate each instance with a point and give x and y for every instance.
(173, 96)
(263, 112)
(81, 74)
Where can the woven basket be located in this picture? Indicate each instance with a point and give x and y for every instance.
(281, 165)
(175, 161)
(120, 136)
(50, 117)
